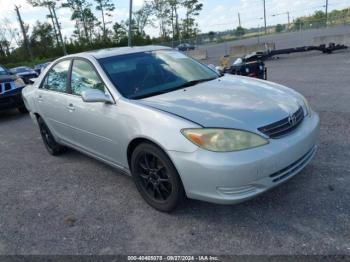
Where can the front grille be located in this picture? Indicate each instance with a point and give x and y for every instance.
(4, 87)
(294, 167)
(7, 87)
(284, 126)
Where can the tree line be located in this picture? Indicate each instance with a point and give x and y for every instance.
(95, 27)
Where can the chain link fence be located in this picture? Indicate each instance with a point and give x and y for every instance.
(212, 47)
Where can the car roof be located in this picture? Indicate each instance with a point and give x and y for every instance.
(20, 67)
(108, 52)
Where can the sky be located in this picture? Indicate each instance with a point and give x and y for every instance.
(217, 15)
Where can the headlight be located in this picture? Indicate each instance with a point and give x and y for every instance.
(223, 140)
(307, 106)
(19, 82)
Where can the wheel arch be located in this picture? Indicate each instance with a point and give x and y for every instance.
(137, 141)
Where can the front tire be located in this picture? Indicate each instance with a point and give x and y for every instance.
(49, 141)
(156, 178)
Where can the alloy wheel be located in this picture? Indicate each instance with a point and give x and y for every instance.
(48, 139)
(155, 180)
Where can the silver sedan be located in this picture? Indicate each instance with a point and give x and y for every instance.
(175, 125)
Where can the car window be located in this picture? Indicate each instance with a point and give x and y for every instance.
(85, 77)
(56, 79)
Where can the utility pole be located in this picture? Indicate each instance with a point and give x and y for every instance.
(326, 13)
(239, 20)
(25, 38)
(59, 30)
(286, 13)
(265, 16)
(130, 24)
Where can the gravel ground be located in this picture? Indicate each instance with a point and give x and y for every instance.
(75, 205)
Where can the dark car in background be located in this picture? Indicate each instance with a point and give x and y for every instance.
(11, 87)
(24, 72)
(185, 47)
(40, 67)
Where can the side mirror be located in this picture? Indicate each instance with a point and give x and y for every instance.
(96, 96)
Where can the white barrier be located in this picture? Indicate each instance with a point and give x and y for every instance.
(337, 39)
(242, 50)
(199, 54)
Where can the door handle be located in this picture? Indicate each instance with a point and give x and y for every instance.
(71, 107)
(40, 98)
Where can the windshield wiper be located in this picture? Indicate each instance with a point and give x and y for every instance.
(186, 84)
(193, 83)
(150, 94)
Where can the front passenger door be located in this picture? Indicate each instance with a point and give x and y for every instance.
(92, 123)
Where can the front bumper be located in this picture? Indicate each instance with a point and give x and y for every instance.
(11, 99)
(233, 177)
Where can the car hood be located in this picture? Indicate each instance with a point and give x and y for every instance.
(7, 78)
(230, 102)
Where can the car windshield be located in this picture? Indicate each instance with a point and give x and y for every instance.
(146, 74)
(3, 71)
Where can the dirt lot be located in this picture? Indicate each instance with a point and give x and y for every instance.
(75, 205)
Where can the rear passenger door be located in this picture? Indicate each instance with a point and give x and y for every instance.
(93, 124)
(52, 99)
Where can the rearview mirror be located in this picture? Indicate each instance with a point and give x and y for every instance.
(96, 96)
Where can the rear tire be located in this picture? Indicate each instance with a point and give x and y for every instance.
(156, 178)
(49, 141)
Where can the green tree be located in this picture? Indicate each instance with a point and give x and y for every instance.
(4, 48)
(193, 8)
(211, 36)
(175, 5)
(318, 19)
(240, 31)
(50, 5)
(42, 39)
(161, 11)
(106, 7)
(142, 18)
(119, 30)
(298, 24)
(82, 14)
(279, 28)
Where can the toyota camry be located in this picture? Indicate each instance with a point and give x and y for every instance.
(175, 125)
